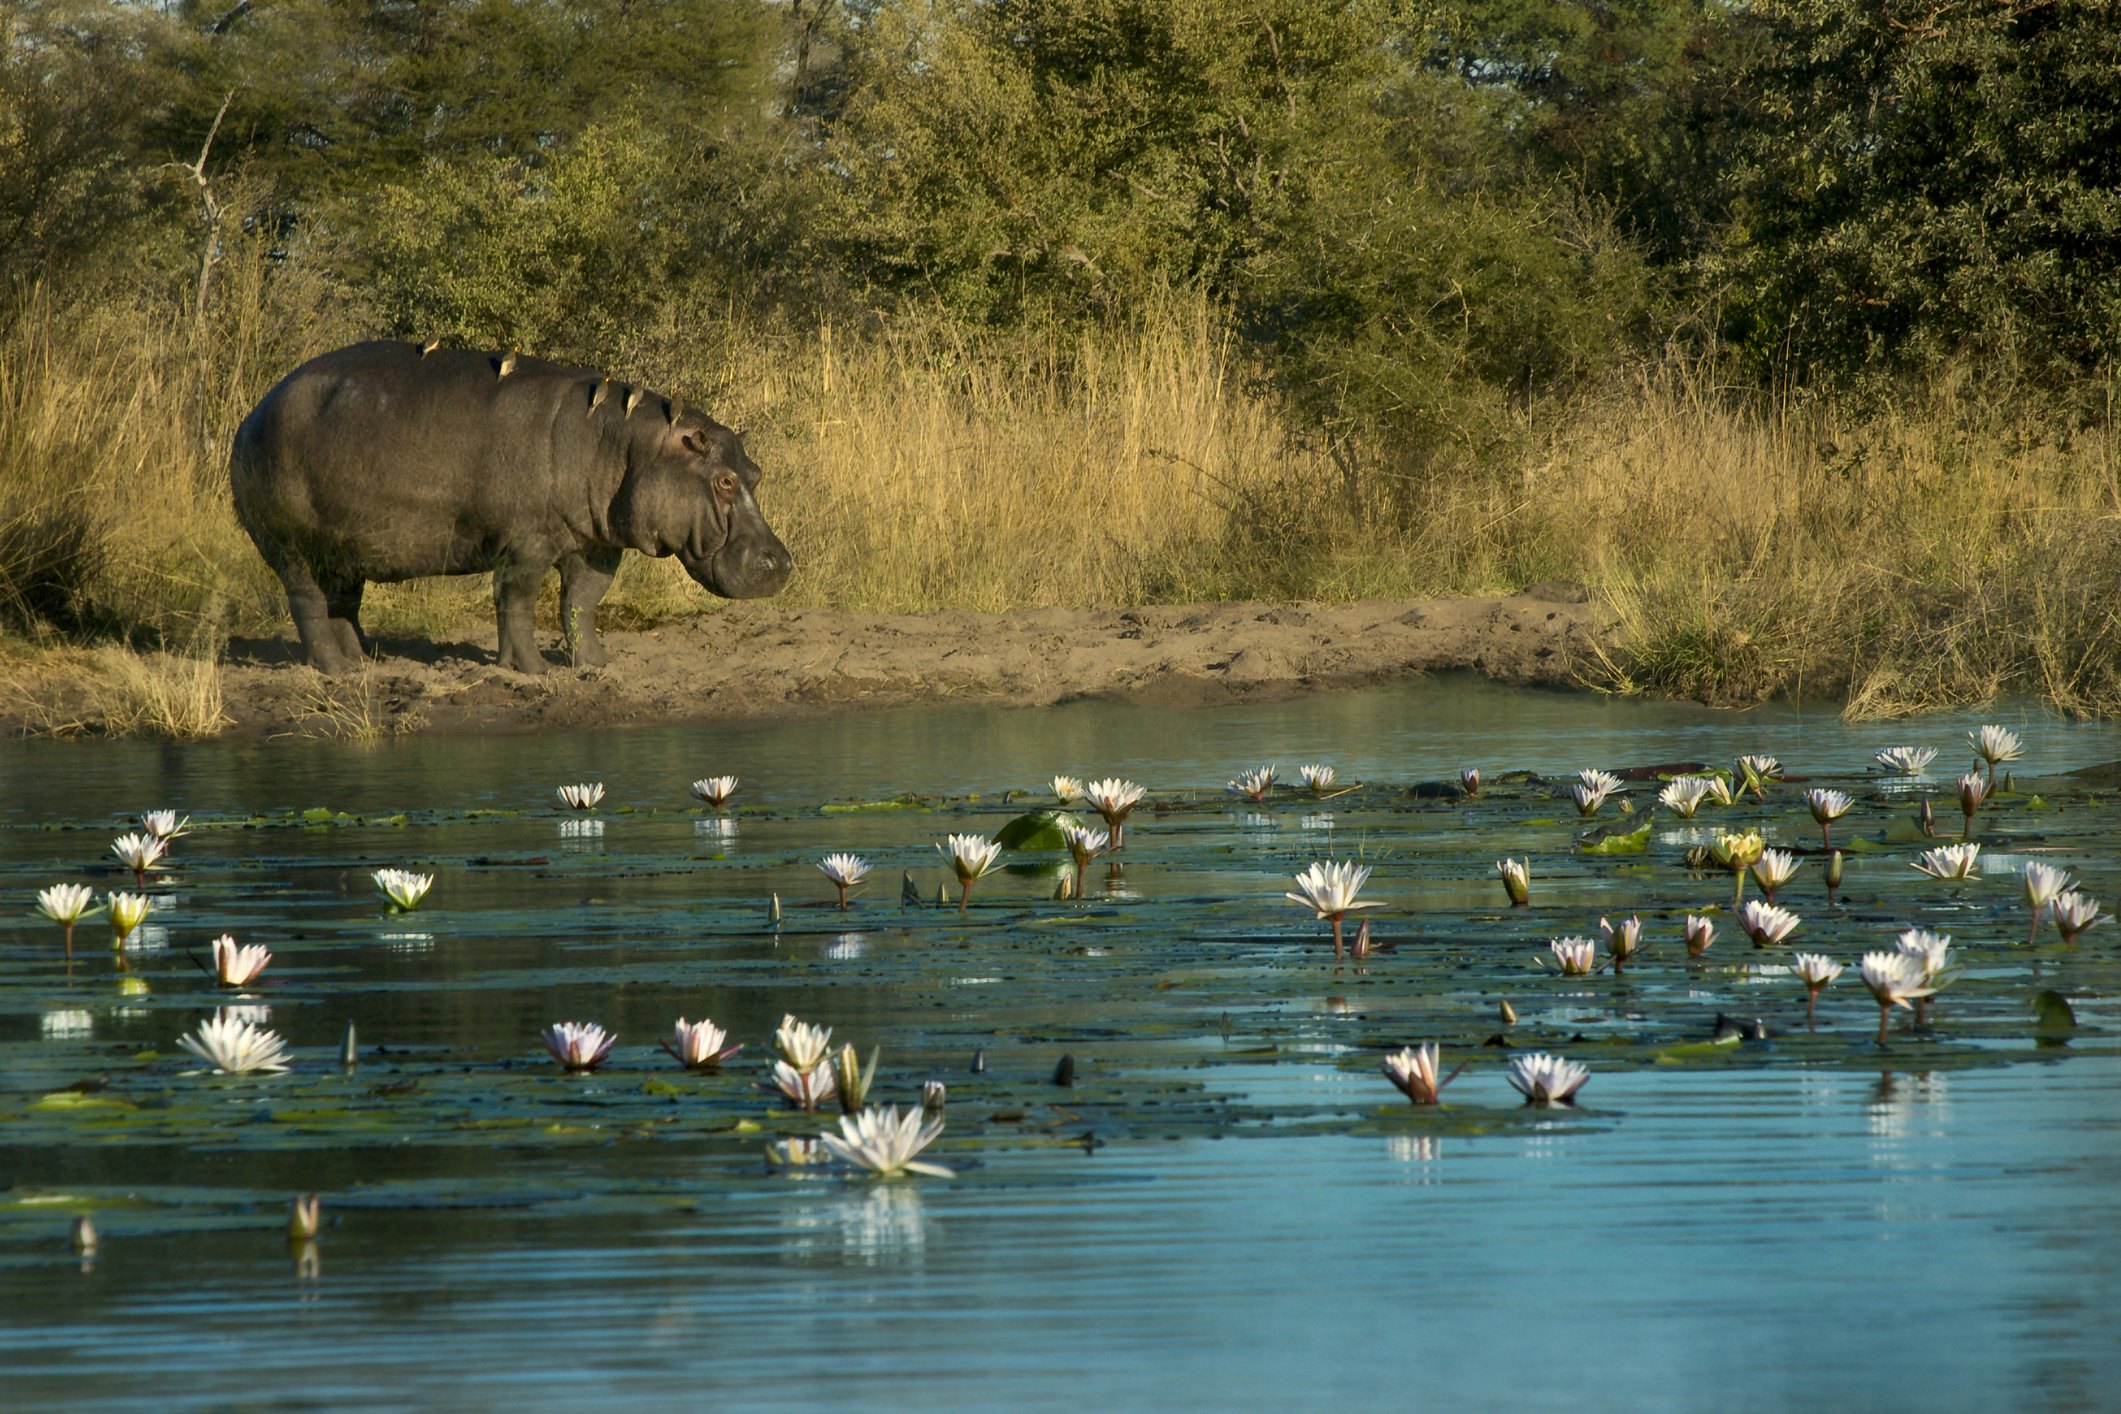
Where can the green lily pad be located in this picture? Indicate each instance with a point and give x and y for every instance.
(1634, 841)
(1041, 829)
(908, 801)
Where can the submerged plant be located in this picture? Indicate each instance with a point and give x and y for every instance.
(138, 853)
(1254, 785)
(66, 905)
(1951, 861)
(971, 859)
(1516, 880)
(233, 1046)
(1893, 979)
(714, 791)
(845, 871)
(1547, 1080)
(2044, 883)
(1329, 889)
(1906, 760)
(700, 1045)
(1114, 800)
(586, 796)
(1416, 1072)
(1827, 806)
(1815, 972)
(233, 965)
(886, 1141)
(578, 1045)
(402, 887)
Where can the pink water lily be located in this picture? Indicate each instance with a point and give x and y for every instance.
(578, 1045)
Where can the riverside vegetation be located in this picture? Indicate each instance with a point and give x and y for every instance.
(1789, 331)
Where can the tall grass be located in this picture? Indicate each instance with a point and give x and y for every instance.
(1944, 550)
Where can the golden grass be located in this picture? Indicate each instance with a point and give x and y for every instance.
(1945, 551)
(114, 691)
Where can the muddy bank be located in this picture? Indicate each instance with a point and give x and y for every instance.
(752, 660)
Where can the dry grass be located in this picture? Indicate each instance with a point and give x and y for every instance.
(114, 691)
(1943, 552)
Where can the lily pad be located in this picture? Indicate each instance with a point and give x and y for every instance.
(1041, 829)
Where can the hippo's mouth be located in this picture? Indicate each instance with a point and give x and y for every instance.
(742, 568)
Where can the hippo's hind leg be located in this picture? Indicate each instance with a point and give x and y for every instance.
(584, 576)
(329, 651)
(342, 600)
(515, 598)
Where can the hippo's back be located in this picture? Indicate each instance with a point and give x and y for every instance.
(389, 463)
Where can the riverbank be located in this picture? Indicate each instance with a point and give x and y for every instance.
(759, 660)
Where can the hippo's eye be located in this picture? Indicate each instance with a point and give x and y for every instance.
(726, 483)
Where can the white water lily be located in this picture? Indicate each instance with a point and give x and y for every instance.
(1774, 868)
(578, 1045)
(1756, 771)
(934, 1094)
(808, 1089)
(1623, 940)
(845, 871)
(1700, 934)
(1827, 806)
(1815, 972)
(802, 1045)
(586, 796)
(402, 887)
(1329, 889)
(1319, 778)
(1893, 979)
(1516, 880)
(1951, 861)
(1084, 843)
(1765, 923)
(1719, 790)
(971, 859)
(1590, 799)
(1906, 760)
(164, 825)
(138, 853)
(1469, 781)
(1416, 1072)
(126, 913)
(1254, 785)
(853, 1080)
(714, 791)
(2074, 912)
(1067, 790)
(233, 965)
(1683, 795)
(1932, 950)
(1995, 745)
(700, 1045)
(66, 905)
(1736, 852)
(232, 1046)
(1114, 799)
(1972, 792)
(2044, 883)
(1547, 1080)
(885, 1141)
(1572, 957)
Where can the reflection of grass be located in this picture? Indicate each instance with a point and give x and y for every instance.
(1956, 545)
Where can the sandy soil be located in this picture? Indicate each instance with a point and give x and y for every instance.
(754, 659)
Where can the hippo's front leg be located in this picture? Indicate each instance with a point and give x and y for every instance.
(515, 598)
(584, 576)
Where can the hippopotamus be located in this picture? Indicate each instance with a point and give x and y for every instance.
(386, 461)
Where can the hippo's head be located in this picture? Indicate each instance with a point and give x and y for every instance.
(691, 492)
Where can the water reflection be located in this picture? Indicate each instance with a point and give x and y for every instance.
(847, 947)
(865, 1223)
(717, 829)
(68, 1025)
(405, 942)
